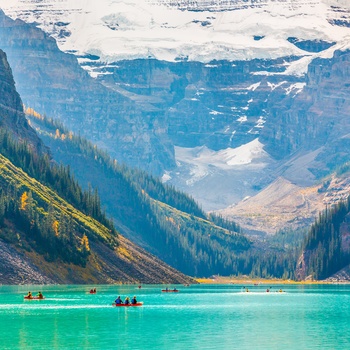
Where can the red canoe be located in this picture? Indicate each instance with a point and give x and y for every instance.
(137, 304)
(169, 290)
(33, 298)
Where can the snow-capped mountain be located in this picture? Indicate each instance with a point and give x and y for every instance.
(113, 30)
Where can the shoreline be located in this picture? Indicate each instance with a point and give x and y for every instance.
(257, 281)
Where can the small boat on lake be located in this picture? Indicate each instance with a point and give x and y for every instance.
(170, 290)
(140, 303)
(30, 296)
(33, 298)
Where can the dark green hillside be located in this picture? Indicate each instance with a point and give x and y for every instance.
(63, 243)
(327, 246)
(58, 178)
(210, 249)
(52, 226)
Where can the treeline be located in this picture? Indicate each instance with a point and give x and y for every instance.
(49, 232)
(222, 222)
(269, 263)
(165, 193)
(211, 250)
(208, 248)
(57, 177)
(323, 245)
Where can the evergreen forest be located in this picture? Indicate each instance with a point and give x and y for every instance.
(326, 248)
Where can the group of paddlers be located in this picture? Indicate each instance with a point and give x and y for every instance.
(127, 301)
(38, 296)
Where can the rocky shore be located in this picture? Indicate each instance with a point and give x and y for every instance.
(16, 269)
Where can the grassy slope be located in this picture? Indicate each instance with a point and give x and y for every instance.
(124, 263)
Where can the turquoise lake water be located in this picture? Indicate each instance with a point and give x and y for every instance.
(197, 317)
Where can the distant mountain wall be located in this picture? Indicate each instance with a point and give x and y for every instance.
(142, 110)
(317, 117)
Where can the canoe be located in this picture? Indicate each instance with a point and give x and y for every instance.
(170, 290)
(137, 304)
(33, 298)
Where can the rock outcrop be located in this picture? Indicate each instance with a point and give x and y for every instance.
(16, 268)
(343, 276)
(11, 110)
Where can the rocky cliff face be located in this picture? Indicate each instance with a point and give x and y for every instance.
(11, 110)
(317, 117)
(217, 105)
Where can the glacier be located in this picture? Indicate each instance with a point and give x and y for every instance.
(112, 30)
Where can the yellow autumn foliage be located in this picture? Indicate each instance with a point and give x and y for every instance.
(122, 251)
(55, 226)
(85, 243)
(32, 112)
(23, 201)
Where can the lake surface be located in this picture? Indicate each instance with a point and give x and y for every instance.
(197, 317)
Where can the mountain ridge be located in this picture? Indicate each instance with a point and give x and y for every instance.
(44, 238)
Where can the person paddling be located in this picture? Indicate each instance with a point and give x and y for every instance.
(118, 301)
(127, 301)
(40, 295)
(133, 300)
